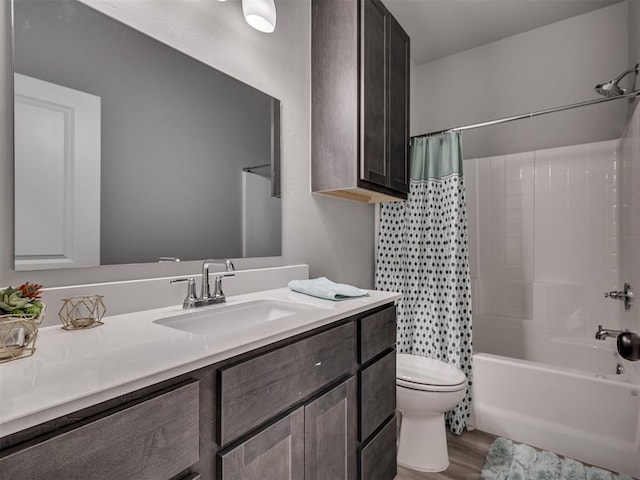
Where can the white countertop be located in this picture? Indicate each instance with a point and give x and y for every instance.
(71, 370)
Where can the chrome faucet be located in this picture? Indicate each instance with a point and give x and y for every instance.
(218, 295)
(603, 333)
(206, 297)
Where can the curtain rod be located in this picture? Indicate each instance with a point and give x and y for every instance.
(635, 93)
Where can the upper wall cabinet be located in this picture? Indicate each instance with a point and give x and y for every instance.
(360, 101)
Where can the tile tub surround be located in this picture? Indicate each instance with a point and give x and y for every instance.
(630, 212)
(545, 230)
(74, 370)
(630, 228)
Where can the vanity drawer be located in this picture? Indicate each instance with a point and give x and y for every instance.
(377, 394)
(256, 390)
(376, 332)
(155, 439)
(378, 457)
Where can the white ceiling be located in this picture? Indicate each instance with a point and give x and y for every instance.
(439, 28)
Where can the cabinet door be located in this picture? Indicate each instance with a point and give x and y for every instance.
(330, 434)
(276, 453)
(398, 106)
(374, 158)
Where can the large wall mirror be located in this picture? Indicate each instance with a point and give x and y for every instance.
(128, 151)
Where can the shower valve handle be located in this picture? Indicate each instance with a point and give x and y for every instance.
(615, 294)
(625, 295)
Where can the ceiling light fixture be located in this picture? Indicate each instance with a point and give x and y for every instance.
(260, 14)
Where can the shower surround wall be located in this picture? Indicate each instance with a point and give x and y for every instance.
(545, 248)
(630, 215)
(630, 227)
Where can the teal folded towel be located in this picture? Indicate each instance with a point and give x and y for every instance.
(324, 288)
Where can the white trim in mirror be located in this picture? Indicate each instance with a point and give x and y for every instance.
(57, 176)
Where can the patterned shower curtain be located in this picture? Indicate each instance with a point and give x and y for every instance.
(422, 253)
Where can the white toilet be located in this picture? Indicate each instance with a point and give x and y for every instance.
(426, 388)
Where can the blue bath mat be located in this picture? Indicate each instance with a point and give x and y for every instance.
(509, 461)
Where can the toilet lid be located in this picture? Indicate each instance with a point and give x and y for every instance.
(428, 371)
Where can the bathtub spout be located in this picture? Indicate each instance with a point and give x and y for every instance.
(603, 333)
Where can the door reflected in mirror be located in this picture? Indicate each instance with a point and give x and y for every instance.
(127, 150)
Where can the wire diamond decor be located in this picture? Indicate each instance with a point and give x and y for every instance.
(83, 311)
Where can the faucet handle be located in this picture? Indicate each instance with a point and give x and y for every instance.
(625, 295)
(191, 298)
(218, 294)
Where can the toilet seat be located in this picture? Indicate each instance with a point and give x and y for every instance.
(428, 374)
(430, 388)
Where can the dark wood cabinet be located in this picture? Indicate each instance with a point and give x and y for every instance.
(360, 101)
(293, 410)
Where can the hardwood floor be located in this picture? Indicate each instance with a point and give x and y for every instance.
(467, 454)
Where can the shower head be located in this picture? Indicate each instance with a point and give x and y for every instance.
(612, 89)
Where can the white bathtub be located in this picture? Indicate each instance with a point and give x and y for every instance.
(573, 413)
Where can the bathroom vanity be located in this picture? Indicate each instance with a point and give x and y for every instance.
(307, 395)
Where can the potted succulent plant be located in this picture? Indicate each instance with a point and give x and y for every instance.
(21, 312)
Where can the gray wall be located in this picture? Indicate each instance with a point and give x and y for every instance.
(634, 32)
(333, 236)
(176, 133)
(555, 65)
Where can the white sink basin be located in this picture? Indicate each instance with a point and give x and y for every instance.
(210, 320)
